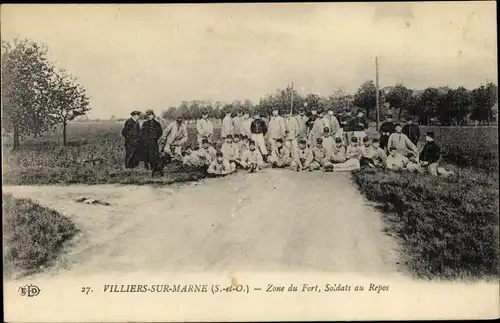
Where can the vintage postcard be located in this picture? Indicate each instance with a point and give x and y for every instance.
(250, 162)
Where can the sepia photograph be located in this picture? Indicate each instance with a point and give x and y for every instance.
(250, 161)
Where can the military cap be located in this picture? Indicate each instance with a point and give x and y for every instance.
(338, 140)
(279, 140)
(204, 141)
(135, 113)
(366, 139)
(150, 112)
(354, 139)
(375, 140)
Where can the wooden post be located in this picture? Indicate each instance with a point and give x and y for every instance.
(291, 101)
(377, 94)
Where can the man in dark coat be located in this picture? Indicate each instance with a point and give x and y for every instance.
(314, 115)
(258, 128)
(412, 131)
(133, 145)
(151, 132)
(386, 129)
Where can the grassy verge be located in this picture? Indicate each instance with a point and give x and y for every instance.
(33, 235)
(447, 227)
(94, 155)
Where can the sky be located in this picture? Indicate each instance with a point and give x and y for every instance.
(138, 57)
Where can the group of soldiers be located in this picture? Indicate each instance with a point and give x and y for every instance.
(320, 140)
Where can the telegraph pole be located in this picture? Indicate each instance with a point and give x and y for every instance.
(377, 94)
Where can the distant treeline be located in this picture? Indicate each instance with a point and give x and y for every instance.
(441, 105)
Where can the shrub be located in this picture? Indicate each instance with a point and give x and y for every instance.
(33, 235)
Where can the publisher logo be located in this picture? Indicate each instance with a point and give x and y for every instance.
(29, 290)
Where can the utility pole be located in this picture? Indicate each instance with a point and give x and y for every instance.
(377, 94)
(291, 101)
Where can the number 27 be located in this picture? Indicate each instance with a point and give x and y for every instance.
(86, 290)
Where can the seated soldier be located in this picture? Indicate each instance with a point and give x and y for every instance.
(328, 141)
(281, 156)
(221, 165)
(244, 144)
(207, 152)
(302, 157)
(379, 156)
(251, 159)
(191, 158)
(395, 160)
(353, 156)
(320, 155)
(373, 155)
(338, 152)
(429, 157)
(230, 150)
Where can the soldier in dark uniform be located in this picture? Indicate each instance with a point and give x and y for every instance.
(133, 145)
(411, 130)
(312, 118)
(386, 129)
(151, 132)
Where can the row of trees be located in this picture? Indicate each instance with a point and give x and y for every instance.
(448, 106)
(36, 95)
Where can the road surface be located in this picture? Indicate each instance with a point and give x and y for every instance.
(276, 220)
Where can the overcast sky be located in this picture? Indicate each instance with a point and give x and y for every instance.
(154, 56)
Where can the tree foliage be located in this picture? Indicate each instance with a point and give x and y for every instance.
(34, 95)
(67, 100)
(26, 82)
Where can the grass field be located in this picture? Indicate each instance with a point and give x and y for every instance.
(94, 155)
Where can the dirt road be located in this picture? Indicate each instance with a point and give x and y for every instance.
(274, 220)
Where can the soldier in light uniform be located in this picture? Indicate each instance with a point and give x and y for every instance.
(227, 126)
(205, 128)
(281, 156)
(302, 122)
(292, 132)
(303, 157)
(276, 128)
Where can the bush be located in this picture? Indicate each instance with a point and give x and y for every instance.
(33, 235)
(448, 227)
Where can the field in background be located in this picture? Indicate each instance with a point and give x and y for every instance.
(95, 154)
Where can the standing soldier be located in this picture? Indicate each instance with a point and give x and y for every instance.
(132, 134)
(259, 129)
(227, 126)
(276, 128)
(333, 122)
(151, 132)
(358, 127)
(237, 123)
(311, 120)
(292, 132)
(411, 130)
(205, 128)
(386, 129)
(175, 135)
(246, 125)
(317, 130)
(302, 122)
(346, 127)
